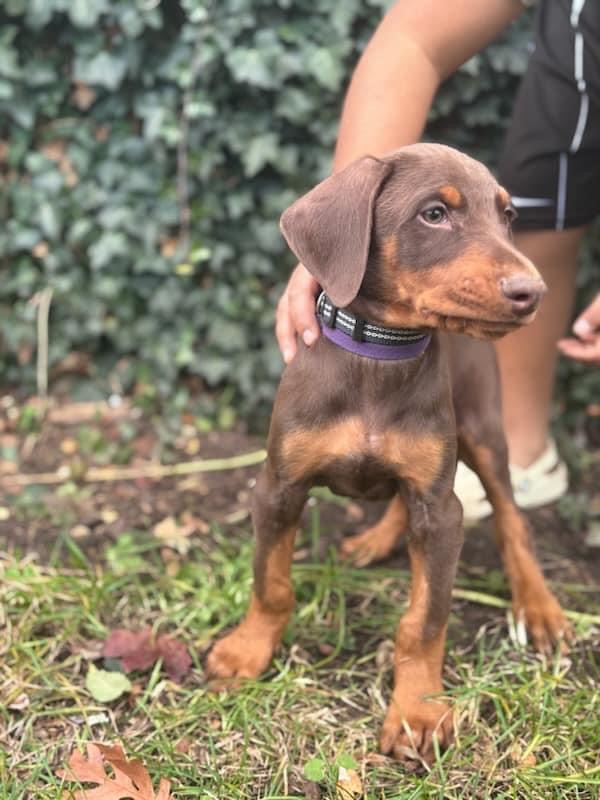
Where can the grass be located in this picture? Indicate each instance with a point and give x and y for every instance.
(528, 726)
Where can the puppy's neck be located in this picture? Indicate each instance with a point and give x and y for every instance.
(366, 338)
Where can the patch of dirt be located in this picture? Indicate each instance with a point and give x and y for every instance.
(98, 513)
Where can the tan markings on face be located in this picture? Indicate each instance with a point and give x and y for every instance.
(458, 296)
(389, 247)
(451, 196)
(416, 458)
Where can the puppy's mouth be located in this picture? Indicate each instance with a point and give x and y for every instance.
(487, 329)
(476, 326)
(513, 301)
(479, 318)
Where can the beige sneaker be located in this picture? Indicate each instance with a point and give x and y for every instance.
(543, 482)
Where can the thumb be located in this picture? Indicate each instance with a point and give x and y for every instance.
(588, 321)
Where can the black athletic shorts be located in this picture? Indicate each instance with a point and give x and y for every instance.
(551, 158)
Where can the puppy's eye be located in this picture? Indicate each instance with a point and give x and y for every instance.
(510, 214)
(435, 215)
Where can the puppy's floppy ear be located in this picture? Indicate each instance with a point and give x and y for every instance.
(329, 229)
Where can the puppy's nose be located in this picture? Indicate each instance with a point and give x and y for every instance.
(524, 293)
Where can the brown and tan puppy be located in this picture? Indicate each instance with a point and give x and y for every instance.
(419, 239)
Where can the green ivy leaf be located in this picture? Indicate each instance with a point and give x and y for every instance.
(314, 770)
(85, 13)
(104, 69)
(345, 760)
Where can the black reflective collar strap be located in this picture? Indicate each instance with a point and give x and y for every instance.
(362, 331)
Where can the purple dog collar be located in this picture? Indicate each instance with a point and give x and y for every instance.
(367, 339)
(382, 352)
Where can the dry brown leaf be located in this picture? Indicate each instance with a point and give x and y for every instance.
(41, 249)
(138, 650)
(69, 445)
(131, 779)
(109, 515)
(80, 531)
(175, 657)
(83, 95)
(75, 362)
(192, 446)
(173, 534)
(20, 703)
(199, 525)
(521, 755)
(168, 247)
(349, 785)
(54, 150)
(25, 353)
(90, 649)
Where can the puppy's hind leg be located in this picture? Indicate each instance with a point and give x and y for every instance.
(532, 600)
(378, 541)
(247, 650)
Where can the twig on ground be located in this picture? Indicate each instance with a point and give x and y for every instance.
(499, 602)
(154, 471)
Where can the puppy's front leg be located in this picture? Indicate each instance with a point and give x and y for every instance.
(247, 650)
(434, 545)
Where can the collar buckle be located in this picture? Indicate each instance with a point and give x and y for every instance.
(328, 312)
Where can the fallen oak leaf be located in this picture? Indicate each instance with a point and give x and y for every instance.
(175, 657)
(173, 534)
(135, 649)
(131, 779)
(125, 770)
(87, 771)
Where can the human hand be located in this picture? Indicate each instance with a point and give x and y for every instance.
(585, 346)
(296, 313)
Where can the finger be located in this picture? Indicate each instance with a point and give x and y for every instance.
(284, 330)
(303, 289)
(588, 321)
(586, 352)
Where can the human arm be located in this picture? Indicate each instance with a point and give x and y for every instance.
(416, 46)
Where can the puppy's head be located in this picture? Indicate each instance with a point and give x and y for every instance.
(418, 238)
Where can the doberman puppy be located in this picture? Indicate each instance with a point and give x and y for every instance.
(414, 247)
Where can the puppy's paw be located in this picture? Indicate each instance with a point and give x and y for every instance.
(412, 724)
(238, 656)
(545, 620)
(373, 545)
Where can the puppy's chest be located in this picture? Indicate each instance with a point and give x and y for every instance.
(358, 458)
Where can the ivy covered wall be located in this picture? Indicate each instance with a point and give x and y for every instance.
(146, 151)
